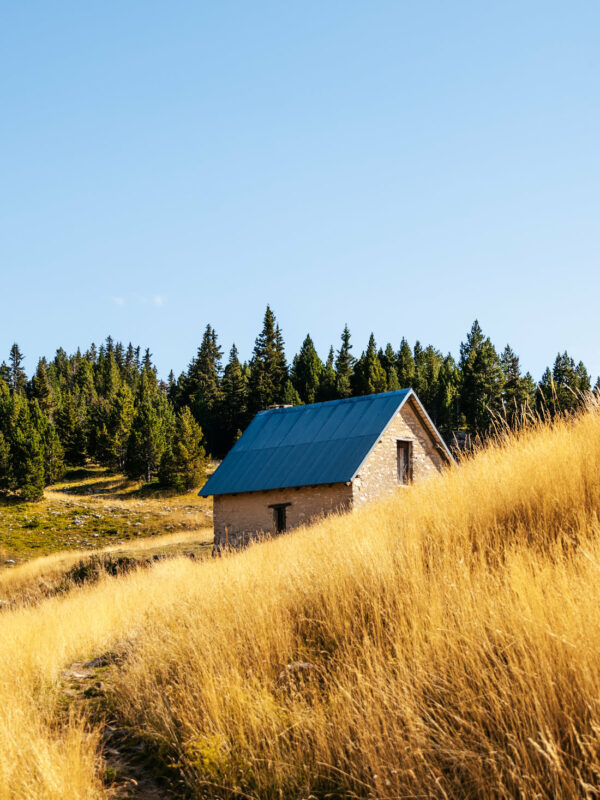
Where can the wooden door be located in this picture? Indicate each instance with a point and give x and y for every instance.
(404, 462)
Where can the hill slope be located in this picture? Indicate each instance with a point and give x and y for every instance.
(93, 509)
(442, 643)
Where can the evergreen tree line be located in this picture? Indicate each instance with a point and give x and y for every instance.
(465, 395)
(108, 404)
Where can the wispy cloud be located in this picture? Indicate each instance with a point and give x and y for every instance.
(157, 300)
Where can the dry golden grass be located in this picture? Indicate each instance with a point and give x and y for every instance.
(40, 758)
(444, 643)
(35, 579)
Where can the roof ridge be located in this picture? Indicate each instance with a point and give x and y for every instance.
(337, 401)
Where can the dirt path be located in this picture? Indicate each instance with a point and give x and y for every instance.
(128, 772)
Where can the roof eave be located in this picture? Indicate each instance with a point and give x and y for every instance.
(436, 434)
(276, 488)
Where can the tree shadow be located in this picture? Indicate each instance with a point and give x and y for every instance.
(83, 473)
(120, 488)
(110, 485)
(103, 488)
(11, 500)
(148, 491)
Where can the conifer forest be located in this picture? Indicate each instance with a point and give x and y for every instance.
(108, 404)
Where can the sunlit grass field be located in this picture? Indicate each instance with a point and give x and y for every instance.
(93, 509)
(443, 643)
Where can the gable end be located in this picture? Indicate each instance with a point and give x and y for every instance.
(426, 422)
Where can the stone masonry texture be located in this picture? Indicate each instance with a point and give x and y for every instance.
(378, 475)
(238, 518)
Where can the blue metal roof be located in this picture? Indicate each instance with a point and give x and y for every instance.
(305, 445)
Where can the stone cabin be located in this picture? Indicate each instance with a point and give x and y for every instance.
(297, 463)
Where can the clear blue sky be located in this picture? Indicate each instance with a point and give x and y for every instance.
(401, 166)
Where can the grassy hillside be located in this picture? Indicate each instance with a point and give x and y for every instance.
(94, 522)
(444, 643)
(93, 509)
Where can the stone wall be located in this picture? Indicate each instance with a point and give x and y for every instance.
(238, 518)
(379, 474)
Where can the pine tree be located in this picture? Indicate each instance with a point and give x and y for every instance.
(40, 387)
(530, 390)
(130, 371)
(26, 474)
(268, 368)
(546, 394)
(290, 395)
(84, 382)
(233, 411)
(172, 388)
(4, 462)
(405, 364)
(5, 405)
(564, 392)
(344, 366)
(447, 399)
(99, 439)
(120, 355)
(203, 386)
(517, 390)
(111, 378)
(428, 367)
(183, 465)
(481, 380)
(52, 451)
(120, 420)
(71, 428)
(566, 382)
(393, 384)
(583, 378)
(307, 372)
(17, 380)
(147, 364)
(5, 409)
(420, 375)
(151, 428)
(327, 386)
(204, 372)
(180, 397)
(388, 361)
(369, 376)
(61, 370)
(566, 379)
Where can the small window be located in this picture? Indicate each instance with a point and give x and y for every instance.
(280, 516)
(404, 462)
(280, 519)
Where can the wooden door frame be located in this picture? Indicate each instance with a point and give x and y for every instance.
(407, 444)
